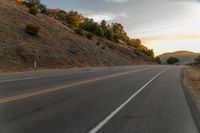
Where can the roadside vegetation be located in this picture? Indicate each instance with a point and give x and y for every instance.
(158, 60)
(114, 32)
(192, 81)
(197, 60)
(172, 60)
(32, 29)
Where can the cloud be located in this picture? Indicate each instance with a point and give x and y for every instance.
(102, 16)
(173, 37)
(117, 1)
(108, 16)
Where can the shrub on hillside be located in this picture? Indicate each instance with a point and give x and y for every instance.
(89, 35)
(44, 9)
(32, 29)
(35, 7)
(61, 16)
(79, 31)
(33, 10)
(32, 3)
(157, 59)
(73, 18)
(197, 60)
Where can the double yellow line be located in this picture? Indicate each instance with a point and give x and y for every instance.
(30, 94)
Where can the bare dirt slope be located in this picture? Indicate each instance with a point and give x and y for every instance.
(57, 46)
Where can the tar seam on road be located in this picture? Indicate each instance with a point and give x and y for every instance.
(30, 94)
(112, 114)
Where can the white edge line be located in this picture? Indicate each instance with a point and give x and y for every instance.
(112, 114)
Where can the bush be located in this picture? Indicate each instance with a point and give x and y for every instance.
(31, 3)
(172, 60)
(73, 18)
(89, 35)
(79, 31)
(61, 16)
(197, 60)
(32, 29)
(33, 10)
(157, 59)
(44, 9)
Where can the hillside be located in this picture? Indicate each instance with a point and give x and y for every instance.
(185, 57)
(57, 46)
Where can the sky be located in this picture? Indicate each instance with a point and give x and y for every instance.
(163, 25)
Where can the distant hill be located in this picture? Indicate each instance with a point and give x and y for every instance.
(57, 45)
(185, 57)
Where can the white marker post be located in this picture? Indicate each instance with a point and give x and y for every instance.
(35, 64)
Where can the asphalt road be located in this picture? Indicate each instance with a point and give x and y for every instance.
(131, 99)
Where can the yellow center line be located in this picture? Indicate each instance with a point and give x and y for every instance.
(30, 94)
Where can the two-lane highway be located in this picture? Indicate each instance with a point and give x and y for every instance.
(132, 99)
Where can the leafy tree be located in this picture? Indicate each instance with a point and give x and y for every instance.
(91, 26)
(104, 25)
(73, 18)
(32, 3)
(149, 52)
(35, 6)
(172, 60)
(158, 60)
(61, 16)
(108, 34)
(33, 10)
(136, 43)
(118, 31)
(197, 60)
(44, 9)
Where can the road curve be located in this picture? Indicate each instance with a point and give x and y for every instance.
(126, 99)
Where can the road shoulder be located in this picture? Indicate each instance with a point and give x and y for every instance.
(191, 87)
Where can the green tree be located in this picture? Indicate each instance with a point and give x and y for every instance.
(118, 31)
(32, 3)
(61, 16)
(34, 10)
(104, 25)
(73, 18)
(158, 60)
(149, 52)
(197, 60)
(108, 34)
(172, 60)
(44, 9)
(91, 26)
(35, 6)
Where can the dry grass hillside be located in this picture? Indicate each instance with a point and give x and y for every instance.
(56, 46)
(185, 57)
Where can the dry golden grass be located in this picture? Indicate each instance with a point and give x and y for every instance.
(192, 81)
